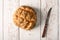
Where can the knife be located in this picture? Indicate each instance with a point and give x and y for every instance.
(46, 23)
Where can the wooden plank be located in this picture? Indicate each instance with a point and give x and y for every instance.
(34, 34)
(1, 9)
(43, 17)
(10, 30)
(5, 21)
(59, 19)
(52, 32)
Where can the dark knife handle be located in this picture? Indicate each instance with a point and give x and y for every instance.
(44, 31)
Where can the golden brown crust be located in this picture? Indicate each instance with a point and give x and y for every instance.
(25, 17)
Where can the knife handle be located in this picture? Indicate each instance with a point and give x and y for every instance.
(44, 31)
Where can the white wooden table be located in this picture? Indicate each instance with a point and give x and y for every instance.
(8, 31)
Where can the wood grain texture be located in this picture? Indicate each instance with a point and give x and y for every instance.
(9, 31)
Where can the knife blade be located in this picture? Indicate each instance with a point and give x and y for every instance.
(46, 23)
